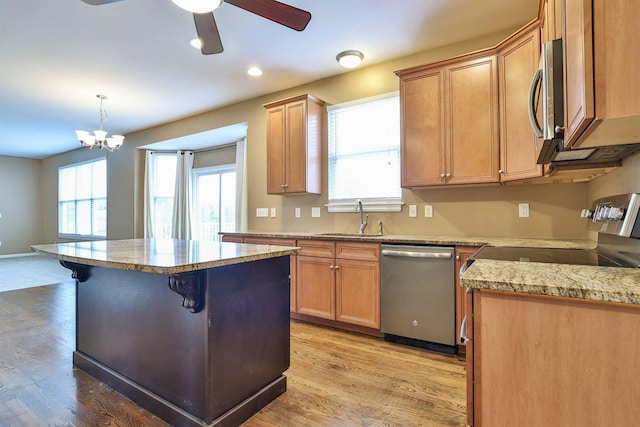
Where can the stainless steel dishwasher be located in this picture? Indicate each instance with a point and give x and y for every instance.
(417, 302)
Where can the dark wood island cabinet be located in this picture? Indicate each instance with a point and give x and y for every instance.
(196, 332)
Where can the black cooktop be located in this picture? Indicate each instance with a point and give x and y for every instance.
(548, 255)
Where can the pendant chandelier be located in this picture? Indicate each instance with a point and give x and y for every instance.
(99, 138)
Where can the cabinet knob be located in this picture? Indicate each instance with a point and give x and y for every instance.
(441, 175)
(448, 175)
(457, 257)
(337, 267)
(282, 186)
(331, 267)
(500, 171)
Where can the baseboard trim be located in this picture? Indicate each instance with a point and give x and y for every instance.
(19, 255)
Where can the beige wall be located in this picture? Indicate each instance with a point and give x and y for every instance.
(477, 211)
(622, 180)
(20, 204)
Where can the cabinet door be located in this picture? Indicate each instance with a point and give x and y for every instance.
(472, 137)
(579, 108)
(422, 135)
(296, 147)
(316, 287)
(462, 255)
(276, 150)
(518, 63)
(358, 292)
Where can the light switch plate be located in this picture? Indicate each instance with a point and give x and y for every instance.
(262, 212)
(273, 212)
(428, 211)
(413, 211)
(315, 212)
(523, 210)
(297, 212)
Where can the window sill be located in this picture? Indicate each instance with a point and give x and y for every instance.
(367, 206)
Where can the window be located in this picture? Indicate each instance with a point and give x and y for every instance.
(214, 198)
(364, 154)
(164, 181)
(82, 200)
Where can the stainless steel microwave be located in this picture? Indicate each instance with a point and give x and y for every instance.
(546, 93)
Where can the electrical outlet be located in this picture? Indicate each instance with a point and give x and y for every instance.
(523, 210)
(315, 212)
(273, 212)
(297, 212)
(428, 211)
(413, 211)
(262, 212)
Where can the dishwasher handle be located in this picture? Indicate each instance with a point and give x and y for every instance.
(410, 254)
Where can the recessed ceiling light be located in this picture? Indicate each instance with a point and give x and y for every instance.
(350, 58)
(196, 43)
(254, 71)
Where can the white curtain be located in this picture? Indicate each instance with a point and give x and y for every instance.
(241, 185)
(181, 228)
(149, 174)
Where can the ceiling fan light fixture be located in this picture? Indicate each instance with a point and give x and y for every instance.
(350, 58)
(196, 43)
(198, 6)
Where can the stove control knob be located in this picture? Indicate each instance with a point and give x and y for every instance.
(616, 214)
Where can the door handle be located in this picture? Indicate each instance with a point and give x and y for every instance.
(463, 331)
(537, 79)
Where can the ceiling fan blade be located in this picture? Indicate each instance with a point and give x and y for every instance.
(275, 11)
(99, 2)
(208, 33)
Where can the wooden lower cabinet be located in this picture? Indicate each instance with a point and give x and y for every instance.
(316, 287)
(551, 361)
(339, 281)
(462, 255)
(358, 292)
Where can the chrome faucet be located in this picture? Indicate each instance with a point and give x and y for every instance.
(363, 219)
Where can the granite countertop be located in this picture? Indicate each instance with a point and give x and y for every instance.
(609, 284)
(163, 256)
(421, 239)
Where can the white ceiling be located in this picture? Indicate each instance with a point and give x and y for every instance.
(55, 56)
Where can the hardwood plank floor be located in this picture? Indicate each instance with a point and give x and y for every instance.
(335, 378)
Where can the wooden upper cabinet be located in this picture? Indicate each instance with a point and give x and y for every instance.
(601, 66)
(578, 69)
(472, 133)
(450, 123)
(518, 61)
(551, 20)
(294, 129)
(422, 144)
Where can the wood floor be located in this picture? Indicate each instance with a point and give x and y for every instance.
(335, 379)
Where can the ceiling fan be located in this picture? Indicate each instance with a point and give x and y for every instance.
(283, 14)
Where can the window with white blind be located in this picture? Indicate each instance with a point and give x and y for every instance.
(364, 154)
(82, 200)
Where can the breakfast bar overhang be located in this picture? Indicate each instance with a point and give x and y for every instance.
(196, 332)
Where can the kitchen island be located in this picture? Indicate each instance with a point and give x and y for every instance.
(196, 332)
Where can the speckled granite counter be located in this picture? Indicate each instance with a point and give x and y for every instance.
(164, 256)
(422, 239)
(608, 284)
